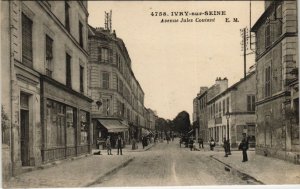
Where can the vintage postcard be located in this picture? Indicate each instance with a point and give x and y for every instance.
(149, 93)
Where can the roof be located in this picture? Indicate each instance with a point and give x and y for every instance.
(232, 87)
(263, 17)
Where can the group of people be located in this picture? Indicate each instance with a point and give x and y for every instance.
(119, 143)
(243, 146)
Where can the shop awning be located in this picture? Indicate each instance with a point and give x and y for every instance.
(113, 126)
(145, 132)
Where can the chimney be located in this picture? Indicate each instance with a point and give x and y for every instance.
(223, 83)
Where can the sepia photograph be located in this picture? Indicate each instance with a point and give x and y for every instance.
(162, 94)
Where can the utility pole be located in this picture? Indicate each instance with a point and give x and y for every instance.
(245, 59)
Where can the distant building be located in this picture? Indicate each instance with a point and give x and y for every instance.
(44, 82)
(202, 103)
(195, 123)
(277, 103)
(118, 106)
(232, 112)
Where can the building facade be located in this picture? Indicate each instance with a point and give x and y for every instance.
(232, 112)
(202, 101)
(45, 93)
(277, 57)
(118, 96)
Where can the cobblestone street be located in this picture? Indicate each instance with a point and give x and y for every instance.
(169, 165)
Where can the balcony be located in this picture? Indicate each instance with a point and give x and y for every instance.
(218, 120)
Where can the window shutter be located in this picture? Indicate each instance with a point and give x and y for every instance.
(26, 40)
(248, 103)
(99, 54)
(253, 103)
(111, 56)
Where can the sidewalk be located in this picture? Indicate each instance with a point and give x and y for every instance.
(78, 173)
(264, 169)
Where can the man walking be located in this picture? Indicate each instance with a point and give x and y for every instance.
(108, 146)
(244, 147)
(119, 144)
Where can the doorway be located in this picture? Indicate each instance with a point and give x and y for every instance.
(24, 130)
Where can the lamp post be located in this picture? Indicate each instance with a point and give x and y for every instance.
(227, 118)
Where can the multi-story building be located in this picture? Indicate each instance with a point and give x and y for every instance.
(202, 114)
(232, 112)
(152, 118)
(44, 81)
(277, 112)
(195, 123)
(118, 106)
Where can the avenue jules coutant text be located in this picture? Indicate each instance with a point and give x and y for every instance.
(191, 16)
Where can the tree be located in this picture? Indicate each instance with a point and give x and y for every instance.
(182, 123)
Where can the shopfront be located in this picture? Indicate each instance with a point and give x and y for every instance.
(66, 130)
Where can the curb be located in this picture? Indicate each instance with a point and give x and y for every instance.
(110, 172)
(250, 179)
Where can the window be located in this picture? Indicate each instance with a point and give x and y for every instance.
(103, 55)
(71, 127)
(224, 107)
(68, 71)
(56, 118)
(267, 34)
(84, 127)
(227, 104)
(105, 80)
(121, 87)
(220, 109)
(67, 16)
(268, 81)
(49, 56)
(251, 103)
(26, 41)
(80, 34)
(106, 105)
(81, 70)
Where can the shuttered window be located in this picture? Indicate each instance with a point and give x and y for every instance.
(80, 34)
(81, 70)
(268, 81)
(49, 56)
(26, 41)
(250, 103)
(68, 71)
(105, 80)
(67, 16)
(267, 34)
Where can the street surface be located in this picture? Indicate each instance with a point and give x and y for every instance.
(169, 165)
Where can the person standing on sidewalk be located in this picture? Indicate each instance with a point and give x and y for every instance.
(225, 145)
(108, 146)
(119, 144)
(244, 147)
(212, 144)
(200, 141)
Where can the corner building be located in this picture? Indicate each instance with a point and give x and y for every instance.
(277, 106)
(44, 81)
(118, 106)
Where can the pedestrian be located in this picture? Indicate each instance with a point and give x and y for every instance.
(212, 144)
(144, 141)
(119, 144)
(108, 146)
(225, 145)
(133, 143)
(168, 139)
(200, 141)
(191, 144)
(244, 147)
(180, 142)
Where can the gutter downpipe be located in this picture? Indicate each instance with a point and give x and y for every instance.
(11, 27)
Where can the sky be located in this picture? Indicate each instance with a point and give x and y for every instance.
(172, 61)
